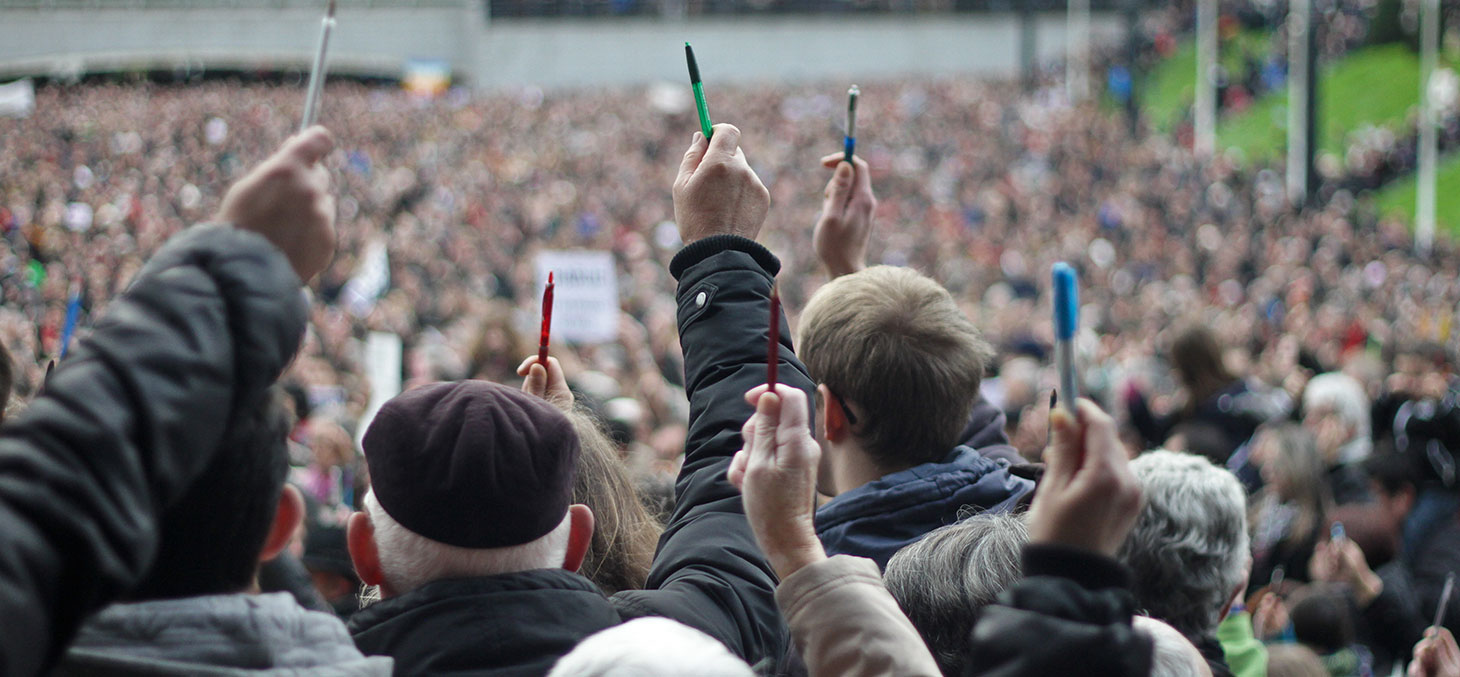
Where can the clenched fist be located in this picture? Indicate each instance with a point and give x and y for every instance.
(716, 192)
(287, 199)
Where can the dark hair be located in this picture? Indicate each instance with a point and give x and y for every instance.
(1197, 357)
(211, 537)
(1392, 471)
(1322, 619)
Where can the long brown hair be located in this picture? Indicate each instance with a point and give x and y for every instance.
(625, 535)
(1197, 357)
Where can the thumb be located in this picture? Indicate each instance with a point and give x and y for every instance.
(309, 146)
(693, 155)
(725, 141)
(838, 190)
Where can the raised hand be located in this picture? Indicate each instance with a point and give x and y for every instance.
(845, 225)
(287, 199)
(776, 473)
(1089, 498)
(549, 383)
(1436, 655)
(716, 192)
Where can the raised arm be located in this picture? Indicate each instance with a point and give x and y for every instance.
(708, 571)
(137, 409)
(842, 618)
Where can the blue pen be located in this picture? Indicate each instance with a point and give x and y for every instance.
(1336, 532)
(851, 139)
(1066, 320)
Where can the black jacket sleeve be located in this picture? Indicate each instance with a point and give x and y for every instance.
(709, 573)
(126, 422)
(1071, 615)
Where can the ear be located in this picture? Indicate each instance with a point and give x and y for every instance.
(829, 414)
(580, 536)
(286, 522)
(360, 541)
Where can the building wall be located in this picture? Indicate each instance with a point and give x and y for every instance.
(376, 40)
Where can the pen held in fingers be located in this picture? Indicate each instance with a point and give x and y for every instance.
(317, 71)
(851, 130)
(1066, 320)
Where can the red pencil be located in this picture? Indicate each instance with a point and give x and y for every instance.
(547, 322)
(773, 350)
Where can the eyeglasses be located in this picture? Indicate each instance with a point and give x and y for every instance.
(846, 411)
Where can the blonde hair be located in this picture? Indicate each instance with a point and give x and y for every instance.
(894, 342)
(625, 535)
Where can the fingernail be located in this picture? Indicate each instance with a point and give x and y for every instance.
(696, 138)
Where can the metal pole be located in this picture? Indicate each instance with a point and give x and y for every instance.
(1298, 102)
(1205, 140)
(1424, 209)
(1027, 45)
(1077, 50)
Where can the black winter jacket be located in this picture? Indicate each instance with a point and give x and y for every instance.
(126, 422)
(708, 572)
(1071, 615)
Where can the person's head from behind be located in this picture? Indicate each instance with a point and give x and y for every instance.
(1336, 411)
(1197, 358)
(469, 479)
(1173, 654)
(1394, 482)
(944, 579)
(1294, 660)
(1188, 549)
(237, 514)
(1290, 463)
(1322, 618)
(650, 647)
(625, 534)
(898, 366)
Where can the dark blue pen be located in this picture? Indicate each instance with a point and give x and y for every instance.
(851, 141)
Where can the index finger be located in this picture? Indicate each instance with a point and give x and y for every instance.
(309, 146)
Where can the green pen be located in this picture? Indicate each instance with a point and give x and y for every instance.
(694, 83)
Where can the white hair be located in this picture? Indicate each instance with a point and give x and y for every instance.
(1174, 654)
(650, 647)
(944, 579)
(1189, 546)
(409, 560)
(1345, 396)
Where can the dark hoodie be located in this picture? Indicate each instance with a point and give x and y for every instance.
(877, 519)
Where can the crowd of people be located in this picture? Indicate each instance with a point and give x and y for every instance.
(1273, 488)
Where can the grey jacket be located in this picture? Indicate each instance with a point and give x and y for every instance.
(217, 635)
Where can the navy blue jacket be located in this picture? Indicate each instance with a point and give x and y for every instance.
(877, 519)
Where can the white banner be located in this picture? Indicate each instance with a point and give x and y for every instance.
(585, 292)
(383, 371)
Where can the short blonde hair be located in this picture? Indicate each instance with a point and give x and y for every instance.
(893, 342)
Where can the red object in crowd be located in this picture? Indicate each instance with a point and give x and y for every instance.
(547, 322)
(773, 350)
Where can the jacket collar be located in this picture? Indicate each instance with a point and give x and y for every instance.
(241, 631)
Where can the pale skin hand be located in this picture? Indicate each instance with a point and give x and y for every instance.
(1342, 561)
(287, 199)
(1089, 498)
(550, 383)
(845, 225)
(776, 474)
(716, 191)
(1436, 655)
